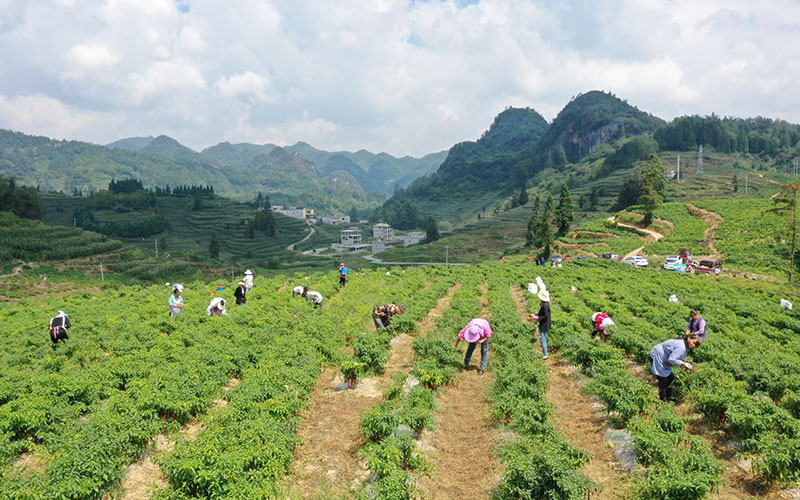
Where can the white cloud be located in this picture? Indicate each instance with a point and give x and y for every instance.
(247, 84)
(92, 56)
(402, 76)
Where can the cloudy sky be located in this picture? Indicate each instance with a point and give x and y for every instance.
(401, 76)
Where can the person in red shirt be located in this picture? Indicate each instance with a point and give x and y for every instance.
(600, 321)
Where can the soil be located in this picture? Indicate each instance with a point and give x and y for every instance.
(712, 220)
(328, 458)
(578, 421)
(465, 434)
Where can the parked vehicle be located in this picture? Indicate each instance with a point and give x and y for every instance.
(708, 266)
(636, 260)
(670, 262)
(611, 256)
(557, 258)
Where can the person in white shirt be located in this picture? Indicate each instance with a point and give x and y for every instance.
(316, 298)
(217, 306)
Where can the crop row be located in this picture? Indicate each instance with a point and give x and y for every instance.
(539, 463)
(389, 428)
(746, 367)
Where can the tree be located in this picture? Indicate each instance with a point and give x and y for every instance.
(735, 183)
(213, 246)
(594, 198)
(564, 214)
(431, 230)
(523, 194)
(785, 203)
(653, 185)
(264, 221)
(530, 235)
(544, 229)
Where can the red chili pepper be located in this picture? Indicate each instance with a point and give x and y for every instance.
(777, 403)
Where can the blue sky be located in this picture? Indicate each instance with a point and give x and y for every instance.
(401, 76)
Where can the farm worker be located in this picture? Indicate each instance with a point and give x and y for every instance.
(217, 306)
(668, 354)
(382, 315)
(248, 280)
(697, 325)
(476, 332)
(343, 270)
(600, 321)
(240, 294)
(316, 298)
(175, 301)
(543, 317)
(299, 291)
(58, 327)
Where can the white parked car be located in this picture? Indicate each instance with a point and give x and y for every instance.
(636, 260)
(670, 262)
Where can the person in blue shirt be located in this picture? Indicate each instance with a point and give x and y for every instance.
(668, 354)
(343, 270)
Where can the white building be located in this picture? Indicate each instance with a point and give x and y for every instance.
(297, 213)
(413, 238)
(380, 246)
(335, 219)
(382, 232)
(350, 240)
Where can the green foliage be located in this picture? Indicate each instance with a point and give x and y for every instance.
(431, 230)
(213, 246)
(563, 214)
(23, 202)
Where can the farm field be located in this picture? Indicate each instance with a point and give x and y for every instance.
(139, 405)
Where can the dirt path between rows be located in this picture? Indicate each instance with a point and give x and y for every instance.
(712, 220)
(648, 232)
(328, 458)
(578, 421)
(464, 434)
(144, 476)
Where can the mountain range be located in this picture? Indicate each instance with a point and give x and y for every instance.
(296, 175)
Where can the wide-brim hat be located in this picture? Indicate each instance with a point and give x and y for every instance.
(543, 295)
(248, 272)
(473, 333)
(241, 283)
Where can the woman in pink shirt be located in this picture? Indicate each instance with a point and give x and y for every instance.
(477, 331)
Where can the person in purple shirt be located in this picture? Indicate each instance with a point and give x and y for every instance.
(668, 354)
(697, 325)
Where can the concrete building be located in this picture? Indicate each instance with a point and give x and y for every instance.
(297, 213)
(350, 237)
(413, 238)
(382, 232)
(335, 220)
(380, 246)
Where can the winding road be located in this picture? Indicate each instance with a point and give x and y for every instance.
(656, 235)
(291, 247)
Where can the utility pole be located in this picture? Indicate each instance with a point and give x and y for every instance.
(700, 161)
(745, 184)
(446, 255)
(679, 168)
(74, 222)
(156, 240)
(102, 276)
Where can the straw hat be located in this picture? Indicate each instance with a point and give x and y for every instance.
(543, 295)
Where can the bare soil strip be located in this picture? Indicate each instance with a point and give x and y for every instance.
(461, 446)
(144, 476)
(578, 421)
(712, 220)
(328, 458)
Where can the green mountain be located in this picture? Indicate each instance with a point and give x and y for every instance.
(477, 176)
(474, 175)
(131, 143)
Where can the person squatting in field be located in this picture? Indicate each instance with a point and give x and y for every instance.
(299, 291)
(697, 325)
(315, 297)
(600, 321)
(382, 315)
(477, 331)
(240, 294)
(176, 300)
(217, 307)
(668, 354)
(58, 327)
